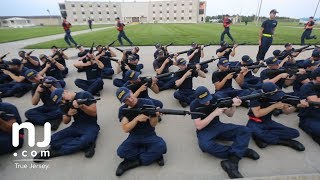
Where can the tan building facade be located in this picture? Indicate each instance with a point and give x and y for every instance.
(170, 11)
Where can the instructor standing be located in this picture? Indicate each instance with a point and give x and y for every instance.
(67, 37)
(266, 34)
(120, 28)
(226, 24)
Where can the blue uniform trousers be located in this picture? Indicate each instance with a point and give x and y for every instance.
(9, 89)
(252, 83)
(123, 35)
(230, 92)
(271, 132)
(240, 135)
(74, 138)
(93, 85)
(185, 95)
(107, 72)
(311, 124)
(43, 114)
(146, 148)
(167, 83)
(118, 82)
(68, 38)
(6, 143)
(266, 42)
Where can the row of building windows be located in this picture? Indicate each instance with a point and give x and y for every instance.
(168, 4)
(175, 18)
(175, 11)
(75, 13)
(84, 19)
(90, 5)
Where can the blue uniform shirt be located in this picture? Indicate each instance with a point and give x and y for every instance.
(268, 26)
(81, 118)
(53, 71)
(142, 128)
(29, 65)
(45, 95)
(196, 58)
(264, 75)
(157, 63)
(135, 87)
(306, 90)
(105, 60)
(187, 83)
(93, 71)
(218, 76)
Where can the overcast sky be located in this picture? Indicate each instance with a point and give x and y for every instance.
(289, 8)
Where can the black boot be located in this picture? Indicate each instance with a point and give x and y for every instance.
(55, 123)
(252, 154)
(260, 143)
(231, 168)
(183, 104)
(90, 151)
(53, 153)
(126, 165)
(160, 161)
(296, 145)
(316, 139)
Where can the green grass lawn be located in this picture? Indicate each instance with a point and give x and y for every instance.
(184, 34)
(14, 34)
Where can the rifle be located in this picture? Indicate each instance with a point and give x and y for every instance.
(91, 49)
(5, 55)
(231, 46)
(295, 100)
(236, 70)
(294, 51)
(4, 67)
(29, 53)
(124, 63)
(58, 52)
(119, 49)
(4, 115)
(65, 107)
(168, 45)
(47, 81)
(112, 42)
(150, 110)
(227, 102)
(181, 52)
(276, 72)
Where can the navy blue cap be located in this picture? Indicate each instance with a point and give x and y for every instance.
(30, 73)
(56, 95)
(131, 75)
(271, 87)
(315, 54)
(247, 59)
(274, 11)
(14, 62)
(272, 61)
(287, 44)
(203, 94)
(276, 52)
(309, 63)
(223, 62)
(316, 73)
(223, 43)
(123, 93)
(181, 61)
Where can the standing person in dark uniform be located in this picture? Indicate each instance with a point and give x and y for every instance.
(210, 129)
(30, 62)
(266, 35)
(49, 111)
(90, 23)
(308, 30)
(225, 51)
(309, 117)
(143, 146)
(226, 24)
(265, 130)
(195, 54)
(93, 68)
(67, 37)
(62, 57)
(10, 115)
(185, 92)
(122, 34)
(81, 135)
(104, 53)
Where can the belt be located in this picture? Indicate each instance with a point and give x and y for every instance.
(267, 35)
(258, 120)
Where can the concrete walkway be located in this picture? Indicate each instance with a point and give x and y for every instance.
(184, 160)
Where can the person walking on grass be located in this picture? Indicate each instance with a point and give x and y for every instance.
(122, 34)
(67, 37)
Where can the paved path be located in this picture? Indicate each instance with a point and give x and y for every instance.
(184, 159)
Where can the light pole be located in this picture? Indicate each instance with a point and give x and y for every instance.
(316, 9)
(49, 16)
(259, 12)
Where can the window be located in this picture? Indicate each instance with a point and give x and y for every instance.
(175, 18)
(160, 5)
(72, 5)
(81, 5)
(100, 19)
(182, 4)
(182, 11)
(167, 18)
(190, 3)
(108, 19)
(107, 12)
(98, 5)
(84, 19)
(182, 18)
(168, 4)
(114, 6)
(154, 12)
(190, 11)
(175, 11)
(153, 5)
(190, 18)
(83, 12)
(107, 5)
(115, 12)
(99, 12)
(161, 18)
(74, 13)
(91, 12)
(175, 4)
(167, 11)
(154, 18)
(160, 11)
(90, 5)
(75, 20)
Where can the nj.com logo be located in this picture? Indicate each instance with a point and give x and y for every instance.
(31, 138)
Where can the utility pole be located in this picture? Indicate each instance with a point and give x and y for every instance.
(259, 13)
(49, 17)
(316, 9)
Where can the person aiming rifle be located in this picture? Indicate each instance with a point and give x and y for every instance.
(51, 67)
(195, 54)
(28, 61)
(62, 57)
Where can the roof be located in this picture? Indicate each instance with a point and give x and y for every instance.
(30, 17)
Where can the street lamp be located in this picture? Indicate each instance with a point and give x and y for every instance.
(49, 16)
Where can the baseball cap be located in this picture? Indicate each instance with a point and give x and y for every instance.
(131, 75)
(274, 11)
(30, 73)
(14, 62)
(56, 95)
(203, 94)
(287, 44)
(272, 61)
(131, 58)
(247, 59)
(123, 93)
(223, 43)
(311, 17)
(181, 61)
(316, 73)
(193, 44)
(158, 45)
(315, 54)
(78, 46)
(276, 52)
(271, 87)
(308, 63)
(223, 62)
(42, 56)
(54, 47)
